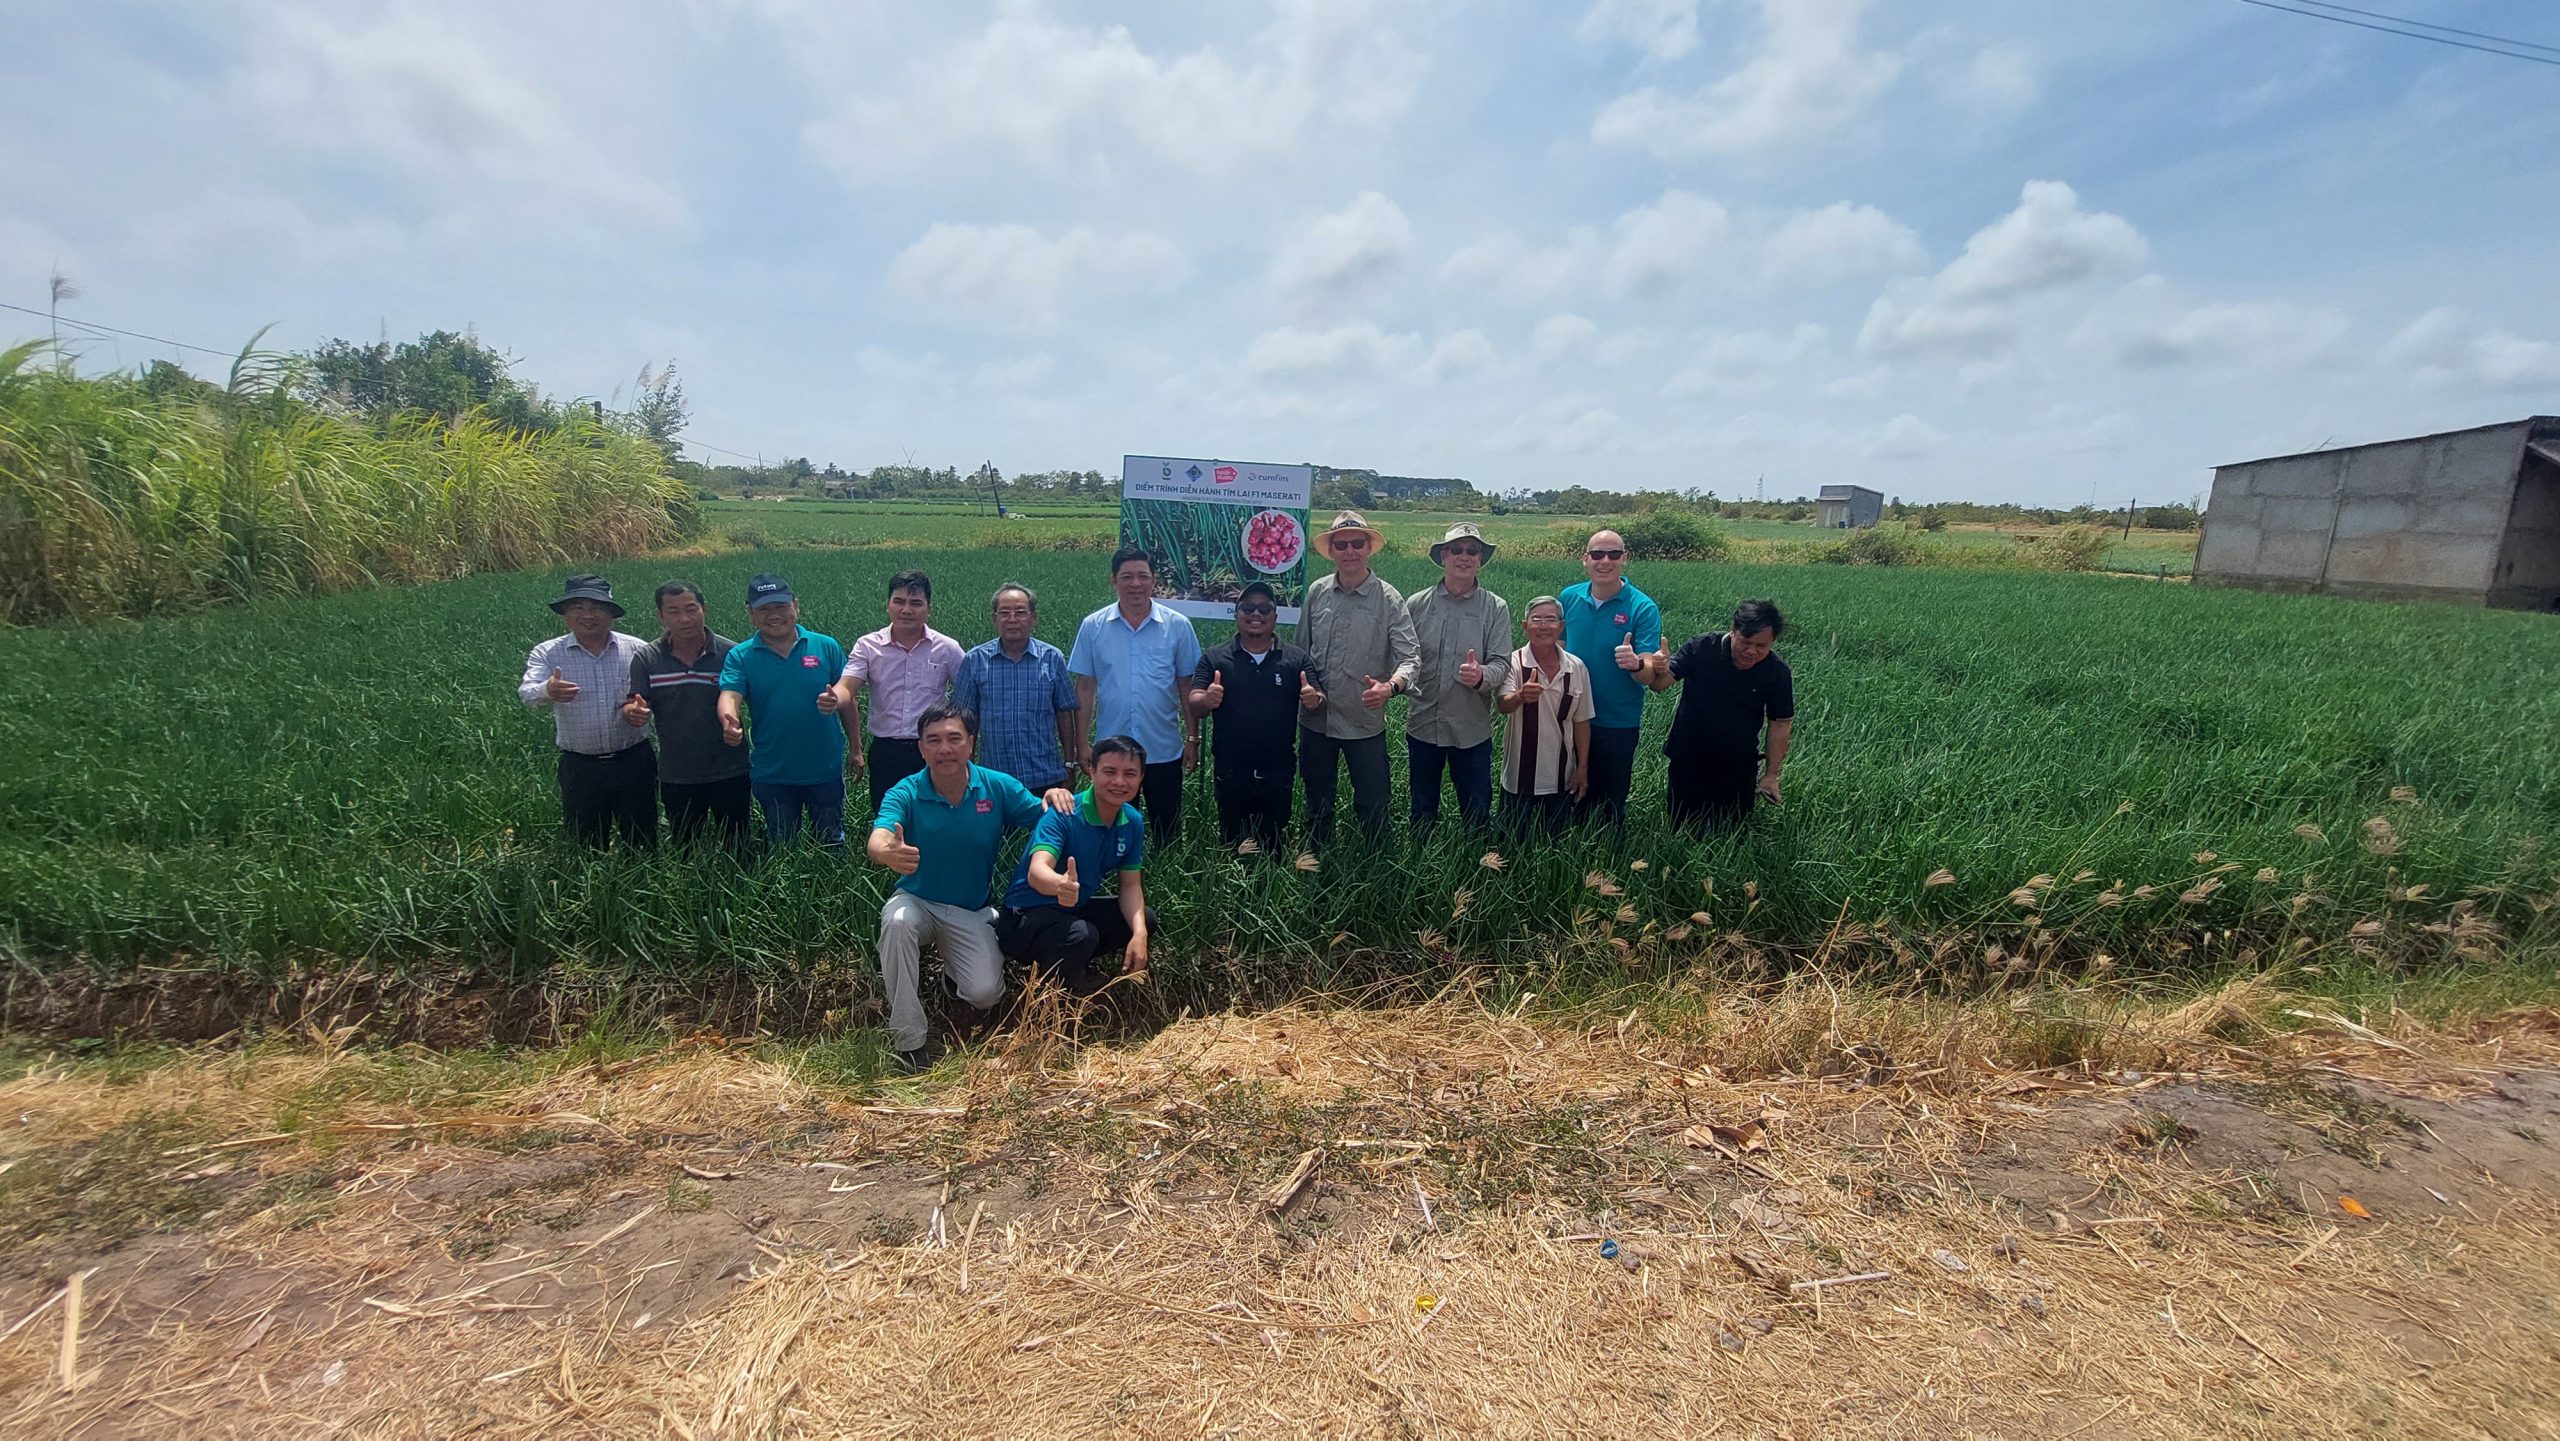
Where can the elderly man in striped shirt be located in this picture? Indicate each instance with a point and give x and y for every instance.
(608, 771)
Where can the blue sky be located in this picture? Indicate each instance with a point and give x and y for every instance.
(1997, 249)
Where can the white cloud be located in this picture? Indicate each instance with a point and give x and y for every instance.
(2442, 350)
(1013, 276)
(886, 369)
(1051, 92)
(2002, 79)
(1561, 337)
(1657, 246)
(1662, 29)
(1345, 352)
(1736, 361)
(1905, 437)
(1459, 353)
(1980, 302)
(1023, 372)
(415, 92)
(2150, 329)
(1808, 80)
(1817, 249)
(1568, 425)
(1346, 251)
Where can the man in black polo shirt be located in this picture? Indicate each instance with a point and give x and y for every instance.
(1730, 685)
(1252, 689)
(676, 682)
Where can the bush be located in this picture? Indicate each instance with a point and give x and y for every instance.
(1933, 520)
(2076, 547)
(751, 537)
(1877, 545)
(1675, 535)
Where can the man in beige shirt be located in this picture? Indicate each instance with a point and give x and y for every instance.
(1358, 637)
(1462, 632)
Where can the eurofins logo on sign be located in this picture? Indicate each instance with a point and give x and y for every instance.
(1224, 475)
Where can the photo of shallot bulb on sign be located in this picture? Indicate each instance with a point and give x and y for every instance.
(1273, 541)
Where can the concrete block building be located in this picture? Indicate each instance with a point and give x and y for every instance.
(1852, 506)
(2469, 515)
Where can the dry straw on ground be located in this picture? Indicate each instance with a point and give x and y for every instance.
(1118, 1240)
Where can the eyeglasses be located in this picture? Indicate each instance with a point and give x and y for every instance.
(1606, 554)
(1461, 550)
(1348, 542)
(1257, 608)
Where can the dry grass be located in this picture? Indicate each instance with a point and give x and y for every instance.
(1439, 1273)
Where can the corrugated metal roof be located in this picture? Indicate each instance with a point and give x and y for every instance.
(2539, 424)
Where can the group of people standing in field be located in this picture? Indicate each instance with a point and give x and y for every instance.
(959, 747)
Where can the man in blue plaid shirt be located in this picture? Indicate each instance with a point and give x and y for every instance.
(1024, 699)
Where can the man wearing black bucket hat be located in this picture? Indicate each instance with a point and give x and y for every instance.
(608, 770)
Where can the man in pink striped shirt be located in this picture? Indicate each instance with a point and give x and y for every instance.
(908, 666)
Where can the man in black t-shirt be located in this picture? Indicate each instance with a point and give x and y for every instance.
(1252, 690)
(1731, 684)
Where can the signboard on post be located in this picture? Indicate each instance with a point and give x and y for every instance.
(1211, 527)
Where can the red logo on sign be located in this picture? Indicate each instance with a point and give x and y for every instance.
(808, 662)
(1224, 475)
(985, 806)
(1619, 619)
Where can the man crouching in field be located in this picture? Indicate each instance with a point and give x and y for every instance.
(608, 772)
(1730, 685)
(940, 829)
(1055, 917)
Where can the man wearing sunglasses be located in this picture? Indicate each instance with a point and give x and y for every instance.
(1251, 691)
(1616, 629)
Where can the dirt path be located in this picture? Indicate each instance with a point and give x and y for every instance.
(2337, 1232)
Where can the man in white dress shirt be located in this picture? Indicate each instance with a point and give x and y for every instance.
(608, 769)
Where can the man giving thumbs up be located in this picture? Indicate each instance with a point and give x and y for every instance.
(1054, 919)
(1464, 632)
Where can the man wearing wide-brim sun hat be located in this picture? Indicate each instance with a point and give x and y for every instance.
(1463, 635)
(1359, 639)
(608, 770)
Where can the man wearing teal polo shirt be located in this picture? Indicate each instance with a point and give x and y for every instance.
(1056, 919)
(1616, 630)
(785, 680)
(940, 829)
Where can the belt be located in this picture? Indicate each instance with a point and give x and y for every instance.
(605, 756)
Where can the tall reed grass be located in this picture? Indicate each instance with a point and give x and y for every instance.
(131, 495)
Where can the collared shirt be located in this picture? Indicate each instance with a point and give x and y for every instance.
(1722, 709)
(1134, 669)
(903, 679)
(1538, 757)
(1593, 629)
(1018, 702)
(956, 841)
(1350, 636)
(1098, 851)
(591, 723)
(1254, 732)
(684, 706)
(796, 744)
(1445, 628)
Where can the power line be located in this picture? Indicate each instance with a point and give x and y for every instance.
(2431, 25)
(131, 334)
(2409, 34)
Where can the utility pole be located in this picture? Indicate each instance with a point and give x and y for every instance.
(2128, 518)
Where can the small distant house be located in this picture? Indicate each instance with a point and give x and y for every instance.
(2469, 515)
(837, 489)
(1848, 507)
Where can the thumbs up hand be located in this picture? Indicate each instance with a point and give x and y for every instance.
(902, 857)
(635, 711)
(1627, 658)
(831, 699)
(1309, 698)
(1470, 672)
(560, 687)
(1216, 694)
(1374, 694)
(1067, 891)
(1531, 689)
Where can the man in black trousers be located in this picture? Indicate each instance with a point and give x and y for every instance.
(1251, 691)
(675, 682)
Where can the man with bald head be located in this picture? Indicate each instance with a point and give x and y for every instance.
(1616, 630)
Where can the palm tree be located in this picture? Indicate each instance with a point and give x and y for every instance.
(63, 290)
